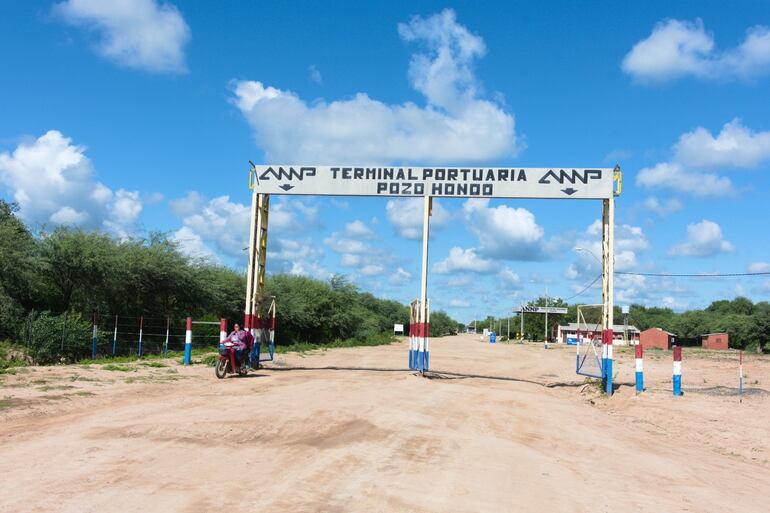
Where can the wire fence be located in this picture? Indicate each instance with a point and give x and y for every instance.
(72, 337)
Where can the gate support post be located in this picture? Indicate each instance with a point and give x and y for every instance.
(608, 273)
(255, 274)
(423, 320)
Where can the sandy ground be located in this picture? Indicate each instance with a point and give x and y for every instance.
(502, 427)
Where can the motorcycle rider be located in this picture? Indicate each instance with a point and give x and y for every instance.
(242, 341)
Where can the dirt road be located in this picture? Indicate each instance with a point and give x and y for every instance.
(353, 430)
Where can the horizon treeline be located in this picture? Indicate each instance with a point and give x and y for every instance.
(747, 323)
(89, 272)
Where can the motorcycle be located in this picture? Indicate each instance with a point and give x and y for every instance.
(229, 362)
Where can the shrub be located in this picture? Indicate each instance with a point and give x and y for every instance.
(57, 338)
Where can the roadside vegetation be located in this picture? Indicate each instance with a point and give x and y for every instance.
(52, 283)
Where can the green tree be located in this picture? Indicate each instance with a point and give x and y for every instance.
(76, 264)
(19, 283)
(56, 338)
(441, 324)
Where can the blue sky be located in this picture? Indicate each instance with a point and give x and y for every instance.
(141, 116)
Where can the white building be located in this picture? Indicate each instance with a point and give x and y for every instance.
(568, 334)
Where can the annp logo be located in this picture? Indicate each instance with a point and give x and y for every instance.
(573, 176)
(284, 174)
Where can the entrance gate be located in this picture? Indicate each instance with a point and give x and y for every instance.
(428, 182)
(589, 348)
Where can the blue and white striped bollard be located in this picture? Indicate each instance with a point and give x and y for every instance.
(188, 342)
(607, 359)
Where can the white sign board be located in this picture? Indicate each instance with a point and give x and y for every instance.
(462, 182)
(398, 328)
(541, 309)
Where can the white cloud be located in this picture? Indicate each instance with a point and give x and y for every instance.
(662, 209)
(698, 153)
(139, 34)
(703, 239)
(311, 269)
(400, 276)
(297, 256)
(53, 181)
(125, 211)
(735, 147)
(358, 229)
(454, 125)
(224, 225)
(350, 260)
(315, 75)
(459, 281)
(365, 259)
(372, 270)
(460, 259)
(218, 221)
(459, 303)
(69, 216)
(187, 205)
(504, 232)
(509, 279)
(443, 74)
(152, 198)
(292, 251)
(677, 48)
(341, 244)
(759, 267)
(630, 242)
(289, 213)
(192, 245)
(406, 214)
(675, 176)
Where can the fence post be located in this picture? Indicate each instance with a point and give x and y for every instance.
(740, 377)
(271, 346)
(677, 381)
(188, 341)
(222, 330)
(141, 330)
(639, 368)
(93, 340)
(115, 336)
(165, 344)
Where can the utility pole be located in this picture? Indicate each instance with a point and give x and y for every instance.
(521, 318)
(509, 328)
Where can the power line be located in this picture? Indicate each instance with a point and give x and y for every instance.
(584, 289)
(694, 275)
